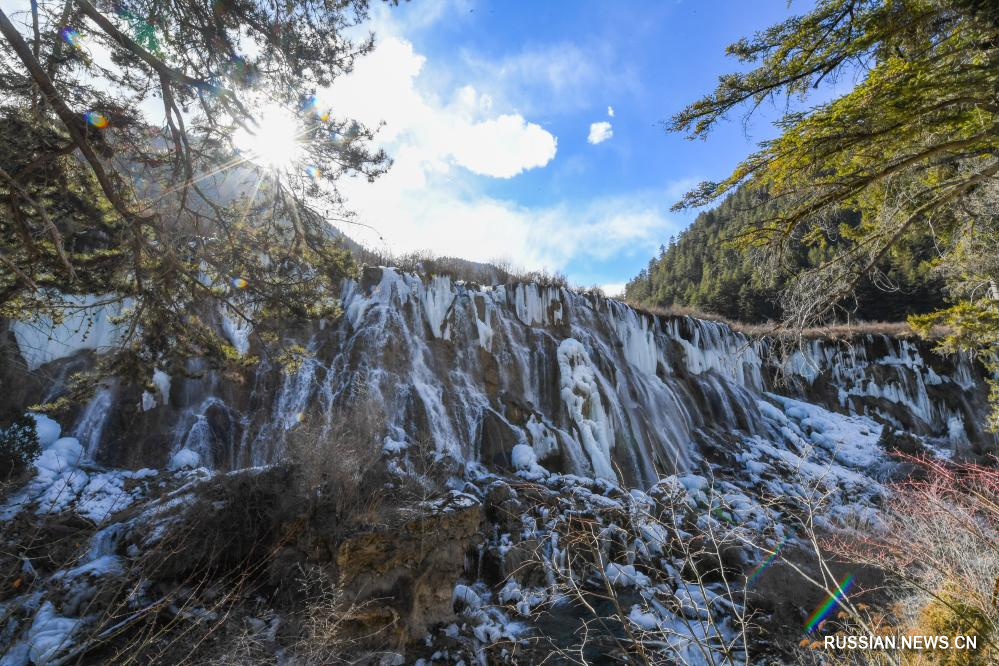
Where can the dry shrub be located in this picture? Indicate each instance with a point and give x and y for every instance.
(315, 630)
(940, 546)
(425, 473)
(543, 278)
(324, 622)
(249, 640)
(214, 577)
(427, 263)
(235, 521)
(494, 273)
(899, 442)
(340, 467)
(947, 614)
(222, 575)
(184, 597)
(321, 620)
(595, 543)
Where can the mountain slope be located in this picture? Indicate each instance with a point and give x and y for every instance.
(702, 269)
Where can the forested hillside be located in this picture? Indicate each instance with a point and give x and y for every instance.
(708, 267)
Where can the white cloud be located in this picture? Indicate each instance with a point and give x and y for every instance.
(549, 79)
(554, 78)
(613, 289)
(610, 111)
(502, 147)
(447, 134)
(600, 132)
(430, 133)
(448, 218)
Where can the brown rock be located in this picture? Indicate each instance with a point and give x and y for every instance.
(401, 578)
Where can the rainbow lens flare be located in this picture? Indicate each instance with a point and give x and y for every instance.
(313, 172)
(98, 120)
(71, 37)
(816, 618)
(765, 563)
(311, 105)
(239, 283)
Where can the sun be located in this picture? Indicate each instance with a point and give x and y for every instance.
(275, 143)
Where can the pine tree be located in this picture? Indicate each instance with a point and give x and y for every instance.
(166, 217)
(913, 149)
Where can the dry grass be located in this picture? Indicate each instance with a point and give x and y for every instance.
(323, 633)
(940, 546)
(496, 272)
(841, 331)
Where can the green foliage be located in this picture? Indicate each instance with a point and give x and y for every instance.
(170, 221)
(908, 148)
(18, 445)
(708, 269)
(913, 149)
(968, 325)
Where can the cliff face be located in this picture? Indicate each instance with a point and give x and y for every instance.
(583, 385)
(539, 412)
(508, 377)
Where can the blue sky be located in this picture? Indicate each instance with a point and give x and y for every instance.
(497, 114)
(489, 110)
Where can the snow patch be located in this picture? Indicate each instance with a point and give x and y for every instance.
(238, 330)
(49, 634)
(47, 429)
(183, 459)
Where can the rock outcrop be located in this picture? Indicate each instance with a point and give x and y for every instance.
(591, 385)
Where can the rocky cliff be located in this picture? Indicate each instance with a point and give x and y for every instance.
(588, 385)
(544, 407)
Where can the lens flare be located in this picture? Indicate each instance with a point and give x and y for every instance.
(816, 618)
(765, 563)
(98, 120)
(311, 105)
(274, 143)
(239, 283)
(313, 172)
(71, 37)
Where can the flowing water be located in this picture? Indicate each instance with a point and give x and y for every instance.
(592, 386)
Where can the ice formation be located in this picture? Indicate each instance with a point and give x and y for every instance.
(86, 324)
(594, 404)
